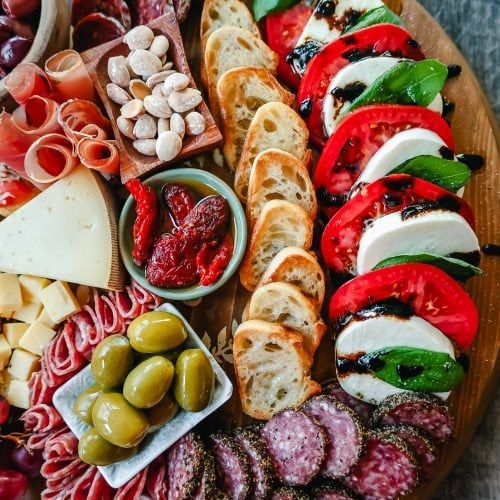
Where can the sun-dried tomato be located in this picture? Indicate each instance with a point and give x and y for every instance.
(179, 201)
(147, 219)
(212, 262)
(14, 191)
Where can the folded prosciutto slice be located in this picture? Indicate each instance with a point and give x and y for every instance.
(99, 155)
(37, 116)
(27, 80)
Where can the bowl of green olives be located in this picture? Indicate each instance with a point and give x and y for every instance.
(140, 393)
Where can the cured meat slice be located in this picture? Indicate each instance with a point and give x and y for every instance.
(96, 29)
(207, 490)
(134, 488)
(37, 116)
(27, 80)
(232, 467)
(144, 11)
(289, 493)
(297, 446)
(261, 466)
(98, 155)
(344, 430)
(332, 490)
(86, 333)
(100, 488)
(363, 410)
(156, 485)
(424, 411)
(387, 470)
(185, 465)
(117, 9)
(41, 418)
(41, 392)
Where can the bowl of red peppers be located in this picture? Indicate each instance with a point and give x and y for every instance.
(183, 233)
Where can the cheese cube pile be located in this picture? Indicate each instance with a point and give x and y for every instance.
(31, 308)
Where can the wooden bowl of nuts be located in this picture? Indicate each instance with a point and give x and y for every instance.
(157, 113)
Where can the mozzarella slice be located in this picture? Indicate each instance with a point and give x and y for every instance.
(439, 232)
(373, 334)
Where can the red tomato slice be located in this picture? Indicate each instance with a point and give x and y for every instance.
(283, 30)
(433, 295)
(356, 140)
(340, 239)
(372, 41)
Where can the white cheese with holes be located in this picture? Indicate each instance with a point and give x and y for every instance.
(381, 332)
(438, 232)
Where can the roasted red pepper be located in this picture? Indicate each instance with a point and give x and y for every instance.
(14, 191)
(147, 220)
(179, 201)
(212, 261)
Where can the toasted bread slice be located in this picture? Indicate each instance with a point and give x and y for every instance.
(275, 125)
(298, 267)
(286, 305)
(277, 175)
(231, 47)
(281, 224)
(241, 92)
(272, 369)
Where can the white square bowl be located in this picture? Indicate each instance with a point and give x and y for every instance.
(156, 443)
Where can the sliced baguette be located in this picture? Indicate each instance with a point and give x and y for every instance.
(272, 369)
(286, 305)
(231, 47)
(241, 92)
(281, 224)
(298, 267)
(275, 125)
(277, 175)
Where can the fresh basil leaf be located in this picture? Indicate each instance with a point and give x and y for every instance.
(375, 16)
(451, 175)
(408, 82)
(262, 8)
(414, 369)
(456, 268)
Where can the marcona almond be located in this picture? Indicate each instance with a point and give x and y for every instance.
(126, 127)
(132, 109)
(145, 146)
(144, 63)
(163, 125)
(157, 106)
(145, 127)
(175, 82)
(117, 94)
(159, 45)
(167, 65)
(195, 123)
(118, 72)
(168, 145)
(157, 78)
(139, 89)
(139, 37)
(157, 90)
(177, 125)
(184, 100)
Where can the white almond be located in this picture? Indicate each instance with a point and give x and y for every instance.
(139, 89)
(184, 100)
(157, 78)
(167, 65)
(139, 37)
(145, 127)
(195, 123)
(132, 109)
(163, 125)
(157, 90)
(157, 106)
(144, 63)
(117, 94)
(175, 82)
(177, 125)
(118, 71)
(126, 127)
(159, 46)
(168, 145)
(145, 146)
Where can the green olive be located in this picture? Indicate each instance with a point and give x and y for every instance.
(85, 403)
(148, 382)
(170, 355)
(95, 450)
(156, 331)
(161, 413)
(194, 380)
(117, 421)
(111, 361)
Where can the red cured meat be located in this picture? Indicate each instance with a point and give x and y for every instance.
(41, 418)
(41, 392)
(134, 488)
(117, 9)
(361, 408)
(332, 490)
(156, 485)
(96, 29)
(144, 11)
(38, 441)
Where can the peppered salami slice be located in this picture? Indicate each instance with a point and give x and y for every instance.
(332, 490)
(424, 411)
(362, 408)
(185, 467)
(207, 489)
(289, 493)
(345, 432)
(261, 466)
(387, 469)
(296, 444)
(421, 446)
(144, 11)
(116, 9)
(232, 467)
(96, 29)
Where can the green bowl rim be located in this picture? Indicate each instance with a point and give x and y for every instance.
(196, 291)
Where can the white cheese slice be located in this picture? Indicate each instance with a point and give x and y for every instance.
(67, 232)
(438, 232)
(382, 332)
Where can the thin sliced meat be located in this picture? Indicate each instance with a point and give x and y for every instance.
(296, 444)
(41, 392)
(134, 488)
(37, 116)
(117, 9)
(100, 488)
(332, 490)
(156, 485)
(345, 432)
(99, 155)
(41, 418)
(94, 132)
(289, 493)
(144, 11)
(232, 467)
(96, 29)
(387, 470)
(424, 411)
(207, 489)
(361, 408)
(38, 441)
(27, 80)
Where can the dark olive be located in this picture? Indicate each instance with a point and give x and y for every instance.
(84, 404)
(95, 450)
(161, 413)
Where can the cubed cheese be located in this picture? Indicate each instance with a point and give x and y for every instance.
(4, 382)
(29, 312)
(6, 315)
(22, 364)
(31, 287)
(18, 393)
(44, 318)
(59, 301)
(5, 352)
(10, 293)
(13, 332)
(36, 338)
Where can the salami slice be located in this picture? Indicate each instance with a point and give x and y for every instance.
(344, 430)
(232, 467)
(289, 493)
(144, 11)
(297, 446)
(363, 409)
(116, 9)
(332, 490)
(387, 470)
(156, 485)
(185, 466)
(96, 29)
(424, 411)
(41, 418)
(208, 490)
(261, 466)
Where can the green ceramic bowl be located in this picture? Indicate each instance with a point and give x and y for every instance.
(205, 181)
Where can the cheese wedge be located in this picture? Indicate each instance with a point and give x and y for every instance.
(68, 232)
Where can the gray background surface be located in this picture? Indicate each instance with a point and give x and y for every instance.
(474, 25)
